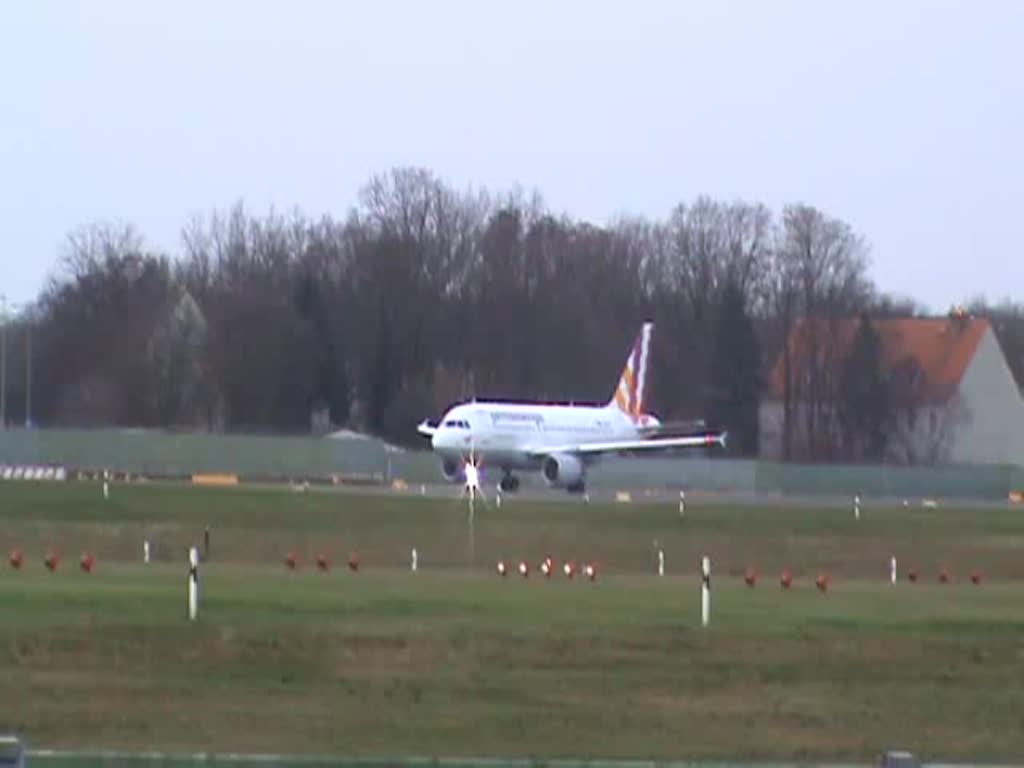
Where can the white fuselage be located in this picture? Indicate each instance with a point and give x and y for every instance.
(509, 435)
(559, 440)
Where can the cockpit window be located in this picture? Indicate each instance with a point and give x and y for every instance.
(457, 424)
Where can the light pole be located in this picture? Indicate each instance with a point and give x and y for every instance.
(26, 311)
(28, 370)
(3, 362)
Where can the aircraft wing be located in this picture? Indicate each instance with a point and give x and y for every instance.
(614, 446)
(426, 428)
(673, 426)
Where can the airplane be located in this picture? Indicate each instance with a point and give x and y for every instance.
(561, 441)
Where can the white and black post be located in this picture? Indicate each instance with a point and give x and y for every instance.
(193, 583)
(106, 484)
(856, 507)
(892, 569)
(705, 591)
(661, 562)
(682, 503)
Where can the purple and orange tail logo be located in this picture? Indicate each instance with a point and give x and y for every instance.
(629, 395)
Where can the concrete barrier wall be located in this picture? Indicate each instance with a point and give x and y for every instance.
(159, 453)
(174, 454)
(962, 482)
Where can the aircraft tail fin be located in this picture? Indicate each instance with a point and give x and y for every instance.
(630, 394)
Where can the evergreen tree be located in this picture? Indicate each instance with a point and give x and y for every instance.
(735, 372)
(863, 400)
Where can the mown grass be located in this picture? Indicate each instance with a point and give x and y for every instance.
(259, 525)
(453, 660)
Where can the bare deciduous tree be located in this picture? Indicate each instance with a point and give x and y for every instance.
(819, 279)
(422, 293)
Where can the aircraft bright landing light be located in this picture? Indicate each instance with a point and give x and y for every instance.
(472, 477)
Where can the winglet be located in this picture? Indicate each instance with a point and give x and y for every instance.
(426, 428)
(718, 439)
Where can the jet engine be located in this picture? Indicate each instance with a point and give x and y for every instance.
(450, 469)
(562, 469)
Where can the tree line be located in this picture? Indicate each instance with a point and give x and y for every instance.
(422, 295)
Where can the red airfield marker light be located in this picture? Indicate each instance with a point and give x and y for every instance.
(292, 561)
(524, 569)
(569, 569)
(16, 559)
(822, 582)
(547, 567)
(944, 576)
(323, 562)
(912, 575)
(750, 577)
(52, 561)
(87, 562)
(786, 579)
(976, 577)
(590, 569)
(502, 570)
(353, 562)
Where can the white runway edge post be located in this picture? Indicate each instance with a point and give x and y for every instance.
(193, 583)
(415, 560)
(682, 503)
(661, 562)
(856, 507)
(145, 551)
(892, 570)
(705, 591)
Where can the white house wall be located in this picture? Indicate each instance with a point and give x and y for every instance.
(931, 438)
(994, 432)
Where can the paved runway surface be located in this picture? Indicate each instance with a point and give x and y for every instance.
(602, 495)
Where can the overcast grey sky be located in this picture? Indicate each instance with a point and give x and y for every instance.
(904, 118)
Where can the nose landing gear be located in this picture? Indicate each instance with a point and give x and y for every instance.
(509, 483)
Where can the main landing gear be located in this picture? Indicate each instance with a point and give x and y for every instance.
(509, 483)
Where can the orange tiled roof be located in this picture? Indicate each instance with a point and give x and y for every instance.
(942, 347)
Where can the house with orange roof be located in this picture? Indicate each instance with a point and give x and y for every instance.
(953, 397)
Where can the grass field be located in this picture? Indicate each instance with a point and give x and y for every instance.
(453, 660)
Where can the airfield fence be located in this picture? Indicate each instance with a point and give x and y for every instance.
(361, 460)
(51, 759)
